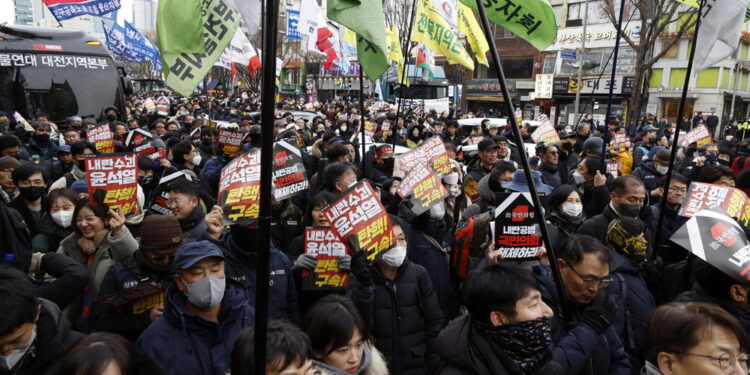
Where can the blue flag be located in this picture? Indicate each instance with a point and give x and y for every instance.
(67, 9)
(142, 46)
(116, 42)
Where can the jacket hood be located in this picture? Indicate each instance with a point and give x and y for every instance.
(489, 196)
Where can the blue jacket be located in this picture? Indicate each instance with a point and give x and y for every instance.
(635, 303)
(185, 343)
(241, 266)
(648, 174)
(211, 174)
(580, 350)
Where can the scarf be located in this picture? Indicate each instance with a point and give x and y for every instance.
(89, 246)
(525, 342)
(363, 365)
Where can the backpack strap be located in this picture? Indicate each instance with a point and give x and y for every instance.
(628, 315)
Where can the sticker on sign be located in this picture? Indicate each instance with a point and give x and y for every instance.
(568, 55)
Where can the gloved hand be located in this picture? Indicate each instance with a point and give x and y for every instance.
(306, 262)
(601, 313)
(345, 262)
(360, 268)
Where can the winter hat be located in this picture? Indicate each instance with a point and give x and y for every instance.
(160, 232)
(79, 186)
(9, 162)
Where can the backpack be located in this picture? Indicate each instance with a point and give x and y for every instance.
(470, 240)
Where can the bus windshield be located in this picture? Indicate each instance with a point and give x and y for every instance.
(59, 85)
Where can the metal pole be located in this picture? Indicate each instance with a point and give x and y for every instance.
(603, 167)
(675, 144)
(734, 91)
(404, 70)
(525, 162)
(266, 168)
(581, 53)
(362, 115)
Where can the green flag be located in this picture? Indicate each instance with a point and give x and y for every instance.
(178, 26)
(367, 20)
(531, 20)
(185, 70)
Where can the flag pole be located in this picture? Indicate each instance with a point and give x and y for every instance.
(403, 72)
(675, 141)
(362, 115)
(524, 161)
(603, 166)
(271, 10)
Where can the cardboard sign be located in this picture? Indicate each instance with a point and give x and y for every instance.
(426, 187)
(142, 297)
(619, 141)
(161, 197)
(324, 244)
(716, 238)
(359, 220)
(112, 181)
(701, 195)
(102, 138)
(613, 167)
(431, 151)
(229, 142)
(239, 189)
(517, 232)
(289, 178)
(701, 135)
(546, 133)
(142, 143)
(162, 106)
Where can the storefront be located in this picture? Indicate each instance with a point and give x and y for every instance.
(483, 95)
(593, 99)
(338, 82)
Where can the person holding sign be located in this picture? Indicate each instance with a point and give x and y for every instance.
(402, 309)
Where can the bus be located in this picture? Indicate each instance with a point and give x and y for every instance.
(430, 94)
(58, 72)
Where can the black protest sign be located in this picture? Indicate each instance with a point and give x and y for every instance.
(517, 232)
(289, 178)
(717, 238)
(142, 143)
(161, 197)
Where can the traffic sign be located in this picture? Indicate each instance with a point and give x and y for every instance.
(569, 55)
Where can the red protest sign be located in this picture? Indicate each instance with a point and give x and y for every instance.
(324, 244)
(431, 151)
(102, 138)
(701, 195)
(229, 142)
(546, 133)
(426, 187)
(142, 143)
(112, 181)
(701, 135)
(239, 188)
(359, 219)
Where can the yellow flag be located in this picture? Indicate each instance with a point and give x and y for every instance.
(394, 52)
(692, 3)
(432, 30)
(467, 24)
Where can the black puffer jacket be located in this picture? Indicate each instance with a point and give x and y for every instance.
(405, 317)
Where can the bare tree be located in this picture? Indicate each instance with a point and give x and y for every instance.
(658, 21)
(399, 12)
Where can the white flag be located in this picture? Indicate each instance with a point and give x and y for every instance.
(309, 18)
(719, 34)
(448, 9)
(250, 11)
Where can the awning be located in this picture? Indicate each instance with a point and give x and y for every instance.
(743, 96)
(486, 98)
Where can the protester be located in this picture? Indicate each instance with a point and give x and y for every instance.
(31, 180)
(565, 214)
(106, 353)
(8, 189)
(186, 205)
(58, 223)
(287, 348)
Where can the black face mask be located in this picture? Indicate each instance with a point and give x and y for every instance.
(31, 193)
(567, 146)
(41, 139)
(206, 141)
(145, 180)
(629, 210)
(111, 118)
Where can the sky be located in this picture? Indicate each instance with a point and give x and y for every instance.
(126, 11)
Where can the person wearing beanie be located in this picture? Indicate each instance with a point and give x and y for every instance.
(8, 189)
(81, 188)
(204, 312)
(132, 293)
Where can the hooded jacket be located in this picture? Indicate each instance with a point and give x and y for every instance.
(486, 195)
(372, 363)
(185, 343)
(194, 226)
(464, 350)
(49, 236)
(648, 174)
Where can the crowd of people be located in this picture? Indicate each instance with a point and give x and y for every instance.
(633, 303)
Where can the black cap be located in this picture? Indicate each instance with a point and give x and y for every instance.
(486, 145)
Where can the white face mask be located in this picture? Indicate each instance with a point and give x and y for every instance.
(572, 209)
(437, 211)
(7, 363)
(662, 169)
(63, 218)
(394, 258)
(342, 128)
(197, 160)
(454, 190)
(578, 177)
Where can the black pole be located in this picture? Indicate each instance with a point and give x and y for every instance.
(603, 166)
(525, 162)
(266, 167)
(403, 71)
(675, 142)
(362, 115)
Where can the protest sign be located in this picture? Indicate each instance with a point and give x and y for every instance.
(229, 142)
(239, 189)
(142, 143)
(289, 177)
(426, 187)
(700, 134)
(360, 221)
(102, 138)
(620, 140)
(431, 151)
(112, 181)
(701, 195)
(160, 204)
(323, 243)
(546, 133)
(517, 232)
(613, 167)
(717, 238)
(142, 297)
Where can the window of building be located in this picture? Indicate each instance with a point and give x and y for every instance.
(518, 67)
(549, 64)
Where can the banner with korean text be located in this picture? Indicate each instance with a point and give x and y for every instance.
(431, 151)
(112, 181)
(328, 249)
(701, 195)
(102, 138)
(424, 186)
(239, 189)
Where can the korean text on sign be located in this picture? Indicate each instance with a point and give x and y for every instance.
(701, 196)
(324, 244)
(432, 151)
(229, 142)
(113, 181)
(239, 187)
(102, 138)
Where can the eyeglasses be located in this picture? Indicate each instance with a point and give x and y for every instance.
(174, 202)
(590, 281)
(726, 361)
